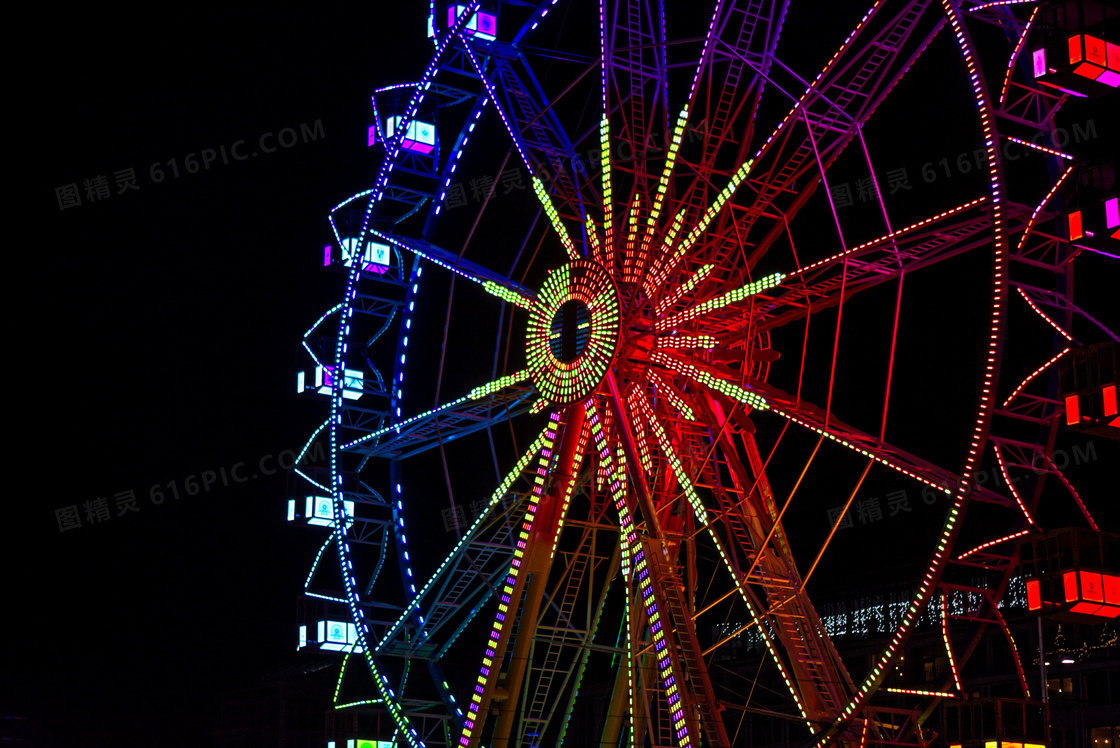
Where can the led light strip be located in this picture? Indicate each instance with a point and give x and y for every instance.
(617, 484)
(495, 499)
(302, 452)
(507, 606)
(701, 514)
(477, 393)
(663, 186)
(315, 564)
(629, 257)
(592, 232)
(498, 384)
(652, 282)
(638, 428)
(633, 549)
(688, 342)
(1032, 375)
(734, 391)
(430, 258)
(711, 305)
(1011, 486)
(453, 162)
(918, 692)
(507, 294)
(1073, 492)
(990, 543)
(1040, 148)
(513, 134)
(948, 644)
(554, 217)
(605, 163)
(888, 237)
(1041, 205)
(860, 450)
(666, 447)
(987, 394)
(314, 327)
(1015, 53)
(1044, 316)
(982, 6)
(666, 390)
(668, 262)
(683, 289)
(794, 112)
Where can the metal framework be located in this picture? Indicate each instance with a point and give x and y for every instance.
(671, 361)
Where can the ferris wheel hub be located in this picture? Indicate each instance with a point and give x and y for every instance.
(573, 331)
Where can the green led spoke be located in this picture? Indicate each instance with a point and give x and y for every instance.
(711, 305)
(507, 294)
(546, 201)
(734, 391)
(496, 385)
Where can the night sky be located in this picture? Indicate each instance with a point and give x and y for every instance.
(156, 339)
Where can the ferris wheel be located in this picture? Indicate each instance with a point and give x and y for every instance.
(614, 342)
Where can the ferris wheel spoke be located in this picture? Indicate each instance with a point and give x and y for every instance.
(522, 590)
(814, 418)
(740, 42)
(832, 110)
(680, 665)
(493, 282)
(473, 568)
(531, 121)
(634, 65)
(747, 511)
(818, 286)
(483, 406)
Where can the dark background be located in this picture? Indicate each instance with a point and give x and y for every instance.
(156, 336)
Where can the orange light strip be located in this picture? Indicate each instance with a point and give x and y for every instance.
(1073, 492)
(1042, 314)
(1041, 148)
(948, 646)
(1011, 486)
(990, 543)
(888, 237)
(1032, 375)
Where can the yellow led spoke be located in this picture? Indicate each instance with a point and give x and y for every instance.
(593, 237)
(663, 182)
(666, 389)
(711, 305)
(632, 548)
(507, 605)
(684, 289)
(496, 385)
(688, 342)
(629, 259)
(667, 263)
(634, 401)
(546, 202)
(733, 391)
(507, 294)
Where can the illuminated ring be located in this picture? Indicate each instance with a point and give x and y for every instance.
(589, 284)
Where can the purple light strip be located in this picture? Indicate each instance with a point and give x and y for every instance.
(507, 606)
(497, 105)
